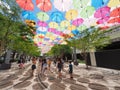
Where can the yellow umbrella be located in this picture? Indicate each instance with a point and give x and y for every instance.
(65, 23)
(72, 27)
(30, 23)
(71, 14)
(53, 25)
(113, 3)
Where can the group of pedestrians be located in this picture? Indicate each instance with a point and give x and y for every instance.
(45, 64)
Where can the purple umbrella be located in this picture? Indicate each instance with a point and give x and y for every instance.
(42, 23)
(77, 22)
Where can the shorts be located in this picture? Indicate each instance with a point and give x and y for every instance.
(33, 67)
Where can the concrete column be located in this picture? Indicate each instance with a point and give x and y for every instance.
(93, 59)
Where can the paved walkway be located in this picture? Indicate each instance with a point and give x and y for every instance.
(91, 79)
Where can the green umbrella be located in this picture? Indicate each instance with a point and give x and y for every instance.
(42, 16)
(87, 11)
(82, 27)
(80, 3)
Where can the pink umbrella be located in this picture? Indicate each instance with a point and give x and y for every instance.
(42, 23)
(77, 22)
(102, 20)
(102, 12)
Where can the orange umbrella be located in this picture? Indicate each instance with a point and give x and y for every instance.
(25, 4)
(114, 20)
(115, 12)
(44, 5)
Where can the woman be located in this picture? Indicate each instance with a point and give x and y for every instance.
(33, 65)
(59, 66)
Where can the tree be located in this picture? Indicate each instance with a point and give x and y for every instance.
(90, 39)
(60, 50)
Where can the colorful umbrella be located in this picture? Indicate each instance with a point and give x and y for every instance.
(75, 32)
(25, 4)
(102, 12)
(57, 16)
(115, 12)
(42, 16)
(80, 3)
(42, 29)
(30, 23)
(77, 21)
(44, 5)
(72, 27)
(28, 15)
(87, 12)
(114, 3)
(42, 23)
(82, 27)
(99, 3)
(102, 20)
(53, 25)
(63, 5)
(71, 14)
(65, 24)
(114, 20)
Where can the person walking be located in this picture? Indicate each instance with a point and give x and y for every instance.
(59, 66)
(33, 65)
(71, 69)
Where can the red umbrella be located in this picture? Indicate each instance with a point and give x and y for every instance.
(44, 5)
(104, 27)
(25, 4)
(114, 20)
(115, 12)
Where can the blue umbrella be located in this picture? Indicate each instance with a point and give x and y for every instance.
(57, 16)
(28, 15)
(99, 3)
(75, 32)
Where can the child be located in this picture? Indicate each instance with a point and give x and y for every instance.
(71, 70)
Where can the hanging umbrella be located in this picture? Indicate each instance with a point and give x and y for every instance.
(102, 20)
(72, 27)
(65, 23)
(82, 27)
(71, 14)
(42, 29)
(63, 5)
(44, 5)
(75, 32)
(77, 22)
(87, 12)
(42, 23)
(28, 15)
(42, 16)
(57, 16)
(53, 25)
(102, 12)
(30, 23)
(99, 3)
(114, 20)
(114, 3)
(115, 12)
(25, 4)
(80, 3)
(67, 31)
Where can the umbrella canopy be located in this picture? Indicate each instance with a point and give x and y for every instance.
(44, 5)
(102, 20)
(102, 12)
(30, 23)
(71, 14)
(82, 27)
(65, 24)
(53, 25)
(114, 3)
(99, 3)
(57, 16)
(28, 15)
(87, 12)
(115, 12)
(72, 27)
(78, 4)
(42, 23)
(63, 5)
(114, 20)
(42, 16)
(77, 21)
(25, 4)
